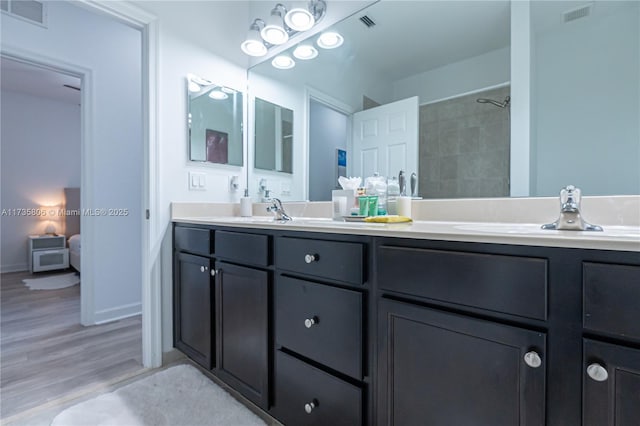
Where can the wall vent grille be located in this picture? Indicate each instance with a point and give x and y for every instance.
(579, 13)
(29, 10)
(367, 21)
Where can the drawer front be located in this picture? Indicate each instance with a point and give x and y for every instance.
(193, 240)
(506, 284)
(611, 299)
(335, 402)
(242, 247)
(320, 322)
(341, 261)
(47, 260)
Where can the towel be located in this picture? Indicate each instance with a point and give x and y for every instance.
(392, 218)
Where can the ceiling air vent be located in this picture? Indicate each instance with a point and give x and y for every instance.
(581, 12)
(29, 10)
(367, 21)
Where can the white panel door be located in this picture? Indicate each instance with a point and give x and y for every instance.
(385, 139)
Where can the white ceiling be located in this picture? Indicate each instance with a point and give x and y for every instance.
(25, 78)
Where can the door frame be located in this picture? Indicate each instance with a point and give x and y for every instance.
(147, 23)
(313, 94)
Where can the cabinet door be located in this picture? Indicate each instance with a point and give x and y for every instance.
(611, 380)
(243, 327)
(438, 368)
(192, 308)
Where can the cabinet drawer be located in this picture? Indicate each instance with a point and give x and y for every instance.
(611, 295)
(193, 240)
(242, 247)
(320, 322)
(506, 284)
(341, 261)
(298, 385)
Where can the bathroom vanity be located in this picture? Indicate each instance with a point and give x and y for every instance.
(320, 323)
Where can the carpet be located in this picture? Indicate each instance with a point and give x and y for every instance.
(52, 282)
(179, 395)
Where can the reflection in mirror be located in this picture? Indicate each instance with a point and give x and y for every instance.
(496, 116)
(214, 122)
(273, 137)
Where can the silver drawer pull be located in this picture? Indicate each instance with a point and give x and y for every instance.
(308, 258)
(532, 359)
(309, 322)
(213, 272)
(308, 407)
(203, 268)
(597, 372)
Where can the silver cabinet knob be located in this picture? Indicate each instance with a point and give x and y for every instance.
(308, 407)
(203, 268)
(309, 322)
(213, 272)
(597, 372)
(308, 258)
(532, 359)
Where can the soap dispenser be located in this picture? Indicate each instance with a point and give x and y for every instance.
(246, 209)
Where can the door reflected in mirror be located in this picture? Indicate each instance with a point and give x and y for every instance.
(273, 137)
(214, 122)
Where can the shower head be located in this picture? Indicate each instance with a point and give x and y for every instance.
(504, 104)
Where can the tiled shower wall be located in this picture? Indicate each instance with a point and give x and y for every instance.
(464, 147)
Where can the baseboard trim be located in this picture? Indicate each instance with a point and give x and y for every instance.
(117, 313)
(16, 267)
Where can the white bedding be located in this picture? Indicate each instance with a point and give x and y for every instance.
(74, 251)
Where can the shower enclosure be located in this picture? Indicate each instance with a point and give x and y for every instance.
(464, 146)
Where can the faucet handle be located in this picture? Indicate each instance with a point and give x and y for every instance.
(570, 195)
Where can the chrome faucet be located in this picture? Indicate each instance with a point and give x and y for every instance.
(277, 210)
(570, 218)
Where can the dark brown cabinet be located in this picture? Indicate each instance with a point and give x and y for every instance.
(242, 324)
(611, 385)
(193, 301)
(439, 368)
(329, 329)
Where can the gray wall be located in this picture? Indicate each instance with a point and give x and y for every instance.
(464, 147)
(327, 132)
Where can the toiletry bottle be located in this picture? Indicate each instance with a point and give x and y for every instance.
(246, 209)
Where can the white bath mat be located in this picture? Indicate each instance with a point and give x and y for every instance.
(177, 396)
(52, 282)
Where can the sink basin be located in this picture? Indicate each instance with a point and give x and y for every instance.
(503, 228)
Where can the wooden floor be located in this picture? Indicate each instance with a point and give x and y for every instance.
(45, 354)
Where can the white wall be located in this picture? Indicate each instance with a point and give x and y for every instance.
(112, 51)
(486, 70)
(40, 156)
(586, 92)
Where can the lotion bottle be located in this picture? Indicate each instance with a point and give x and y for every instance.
(246, 209)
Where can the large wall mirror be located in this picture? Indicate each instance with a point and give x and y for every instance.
(273, 137)
(214, 122)
(478, 98)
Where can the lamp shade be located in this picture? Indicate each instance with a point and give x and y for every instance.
(253, 45)
(274, 31)
(299, 18)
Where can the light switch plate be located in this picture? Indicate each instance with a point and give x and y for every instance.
(197, 181)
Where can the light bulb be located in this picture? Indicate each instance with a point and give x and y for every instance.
(253, 48)
(330, 40)
(305, 52)
(283, 62)
(299, 19)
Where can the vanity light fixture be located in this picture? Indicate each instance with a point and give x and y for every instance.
(274, 32)
(330, 40)
(194, 87)
(228, 90)
(218, 94)
(305, 52)
(253, 45)
(299, 18)
(281, 25)
(283, 62)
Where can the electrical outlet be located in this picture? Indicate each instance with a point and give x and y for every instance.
(234, 183)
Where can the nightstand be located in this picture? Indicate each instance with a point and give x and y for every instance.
(48, 252)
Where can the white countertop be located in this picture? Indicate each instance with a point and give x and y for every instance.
(623, 238)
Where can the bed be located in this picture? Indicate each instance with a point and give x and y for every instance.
(72, 225)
